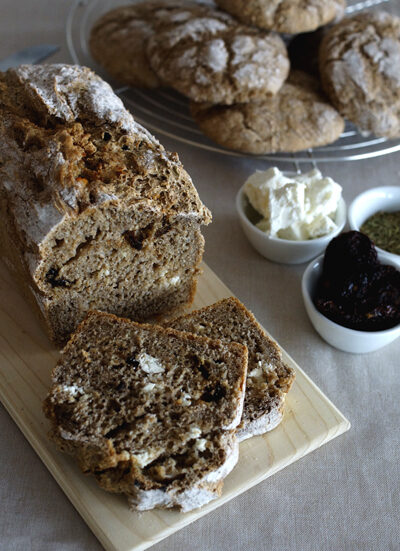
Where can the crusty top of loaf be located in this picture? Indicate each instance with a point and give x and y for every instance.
(68, 144)
(68, 93)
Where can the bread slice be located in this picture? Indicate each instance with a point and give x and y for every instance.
(269, 378)
(151, 412)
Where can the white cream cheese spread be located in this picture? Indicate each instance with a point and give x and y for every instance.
(150, 364)
(298, 207)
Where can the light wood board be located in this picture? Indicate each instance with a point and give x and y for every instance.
(26, 360)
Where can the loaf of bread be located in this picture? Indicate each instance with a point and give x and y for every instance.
(268, 380)
(95, 214)
(151, 412)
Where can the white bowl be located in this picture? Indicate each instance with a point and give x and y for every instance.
(343, 338)
(386, 198)
(284, 250)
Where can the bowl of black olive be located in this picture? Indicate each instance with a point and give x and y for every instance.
(352, 294)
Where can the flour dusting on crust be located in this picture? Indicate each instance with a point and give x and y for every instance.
(360, 71)
(212, 58)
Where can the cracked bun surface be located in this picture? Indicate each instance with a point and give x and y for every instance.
(360, 71)
(118, 39)
(296, 118)
(211, 57)
(285, 16)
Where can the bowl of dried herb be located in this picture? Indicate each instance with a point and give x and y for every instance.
(376, 213)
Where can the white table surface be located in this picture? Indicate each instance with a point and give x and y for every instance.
(346, 495)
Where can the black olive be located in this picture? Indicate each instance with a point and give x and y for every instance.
(131, 360)
(51, 277)
(213, 394)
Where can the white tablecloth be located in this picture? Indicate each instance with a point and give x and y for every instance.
(346, 495)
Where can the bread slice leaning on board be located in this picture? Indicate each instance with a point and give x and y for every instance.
(151, 412)
(268, 378)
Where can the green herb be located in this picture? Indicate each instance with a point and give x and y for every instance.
(384, 230)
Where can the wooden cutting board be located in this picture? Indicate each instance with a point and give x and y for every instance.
(26, 360)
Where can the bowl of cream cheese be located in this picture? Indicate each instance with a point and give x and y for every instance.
(290, 218)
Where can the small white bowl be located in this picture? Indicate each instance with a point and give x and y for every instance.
(284, 250)
(343, 338)
(386, 198)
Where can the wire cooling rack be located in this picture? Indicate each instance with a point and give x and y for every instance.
(165, 112)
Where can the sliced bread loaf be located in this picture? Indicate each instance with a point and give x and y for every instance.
(94, 213)
(268, 379)
(151, 412)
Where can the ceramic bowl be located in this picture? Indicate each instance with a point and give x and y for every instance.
(343, 338)
(283, 250)
(386, 198)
